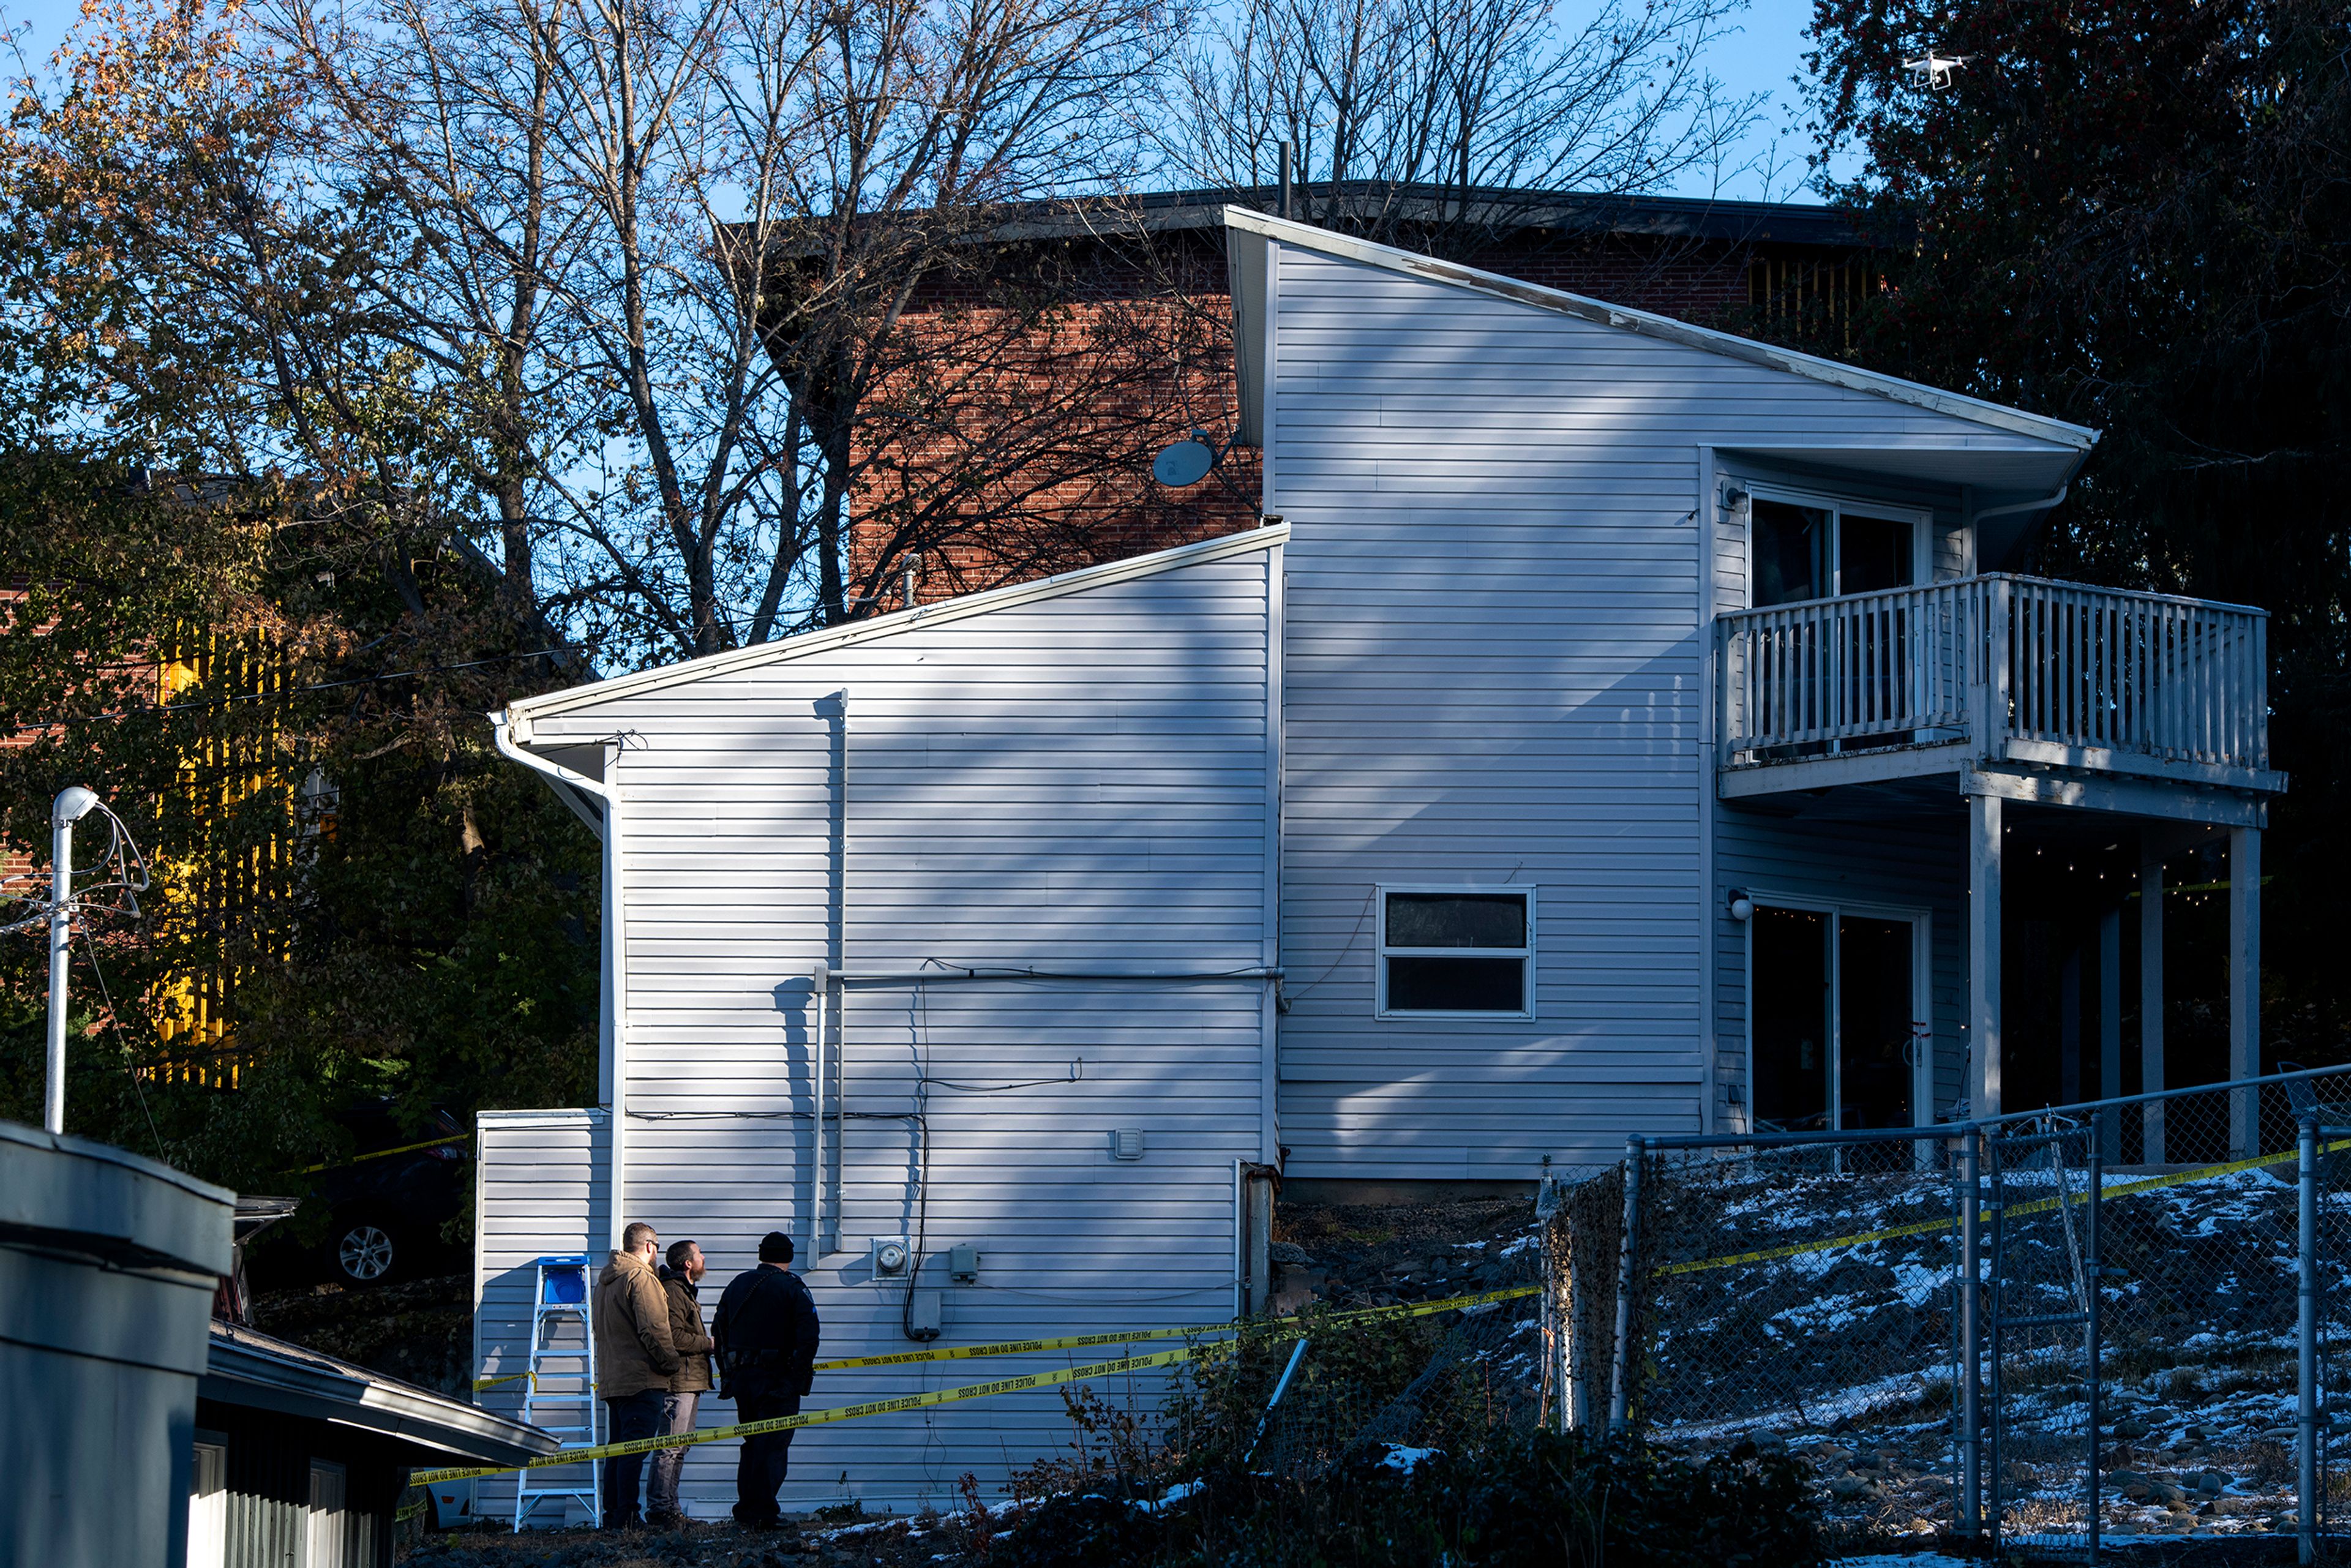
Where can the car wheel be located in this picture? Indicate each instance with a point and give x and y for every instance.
(365, 1254)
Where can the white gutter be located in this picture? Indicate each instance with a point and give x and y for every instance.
(568, 786)
(2042, 505)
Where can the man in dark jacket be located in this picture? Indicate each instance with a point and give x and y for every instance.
(634, 1362)
(765, 1329)
(680, 1276)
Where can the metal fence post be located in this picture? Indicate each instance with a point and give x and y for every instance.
(1970, 1331)
(1620, 1372)
(2306, 1334)
(2092, 1271)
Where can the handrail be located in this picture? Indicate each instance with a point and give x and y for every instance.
(2066, 669)
(2139, 593)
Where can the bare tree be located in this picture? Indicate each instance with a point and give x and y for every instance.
(664, 255)
(1401, 101)
(558, 166)
(946, 374)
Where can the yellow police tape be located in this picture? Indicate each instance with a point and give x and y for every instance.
(1090, 1341)
(384, 1154)
(950, 1396)
(1087, 1340)
(818, 1418)
(2037, 1206)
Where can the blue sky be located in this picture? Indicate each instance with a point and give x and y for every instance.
(1762, 56)
(1765, 55)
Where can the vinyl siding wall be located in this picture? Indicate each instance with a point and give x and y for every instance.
(1496, 674)
(540, 1182)
(1083, 783)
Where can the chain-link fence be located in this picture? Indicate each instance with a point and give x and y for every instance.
(2135, 1324)
(1305, 1395)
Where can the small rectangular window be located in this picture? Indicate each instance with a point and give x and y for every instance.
(1457, 952)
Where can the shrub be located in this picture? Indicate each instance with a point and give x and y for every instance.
(1515, 1501)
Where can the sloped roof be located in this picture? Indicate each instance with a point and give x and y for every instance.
(247, 1367)
(1247, 232)
(518, 715)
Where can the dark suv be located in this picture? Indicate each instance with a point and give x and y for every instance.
(386, 1211)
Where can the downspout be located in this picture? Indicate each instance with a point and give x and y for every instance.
(616, 1064)
(821, 981)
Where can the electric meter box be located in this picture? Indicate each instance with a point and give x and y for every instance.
(891, 1256)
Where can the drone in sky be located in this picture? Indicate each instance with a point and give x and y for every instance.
(1936, 70)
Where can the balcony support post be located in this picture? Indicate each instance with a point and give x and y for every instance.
(2110, 1029)
(2069, 1029)
(1984, 951)
(2244, 988)
(2151, 989)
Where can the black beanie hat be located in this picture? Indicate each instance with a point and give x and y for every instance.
(775, 1248)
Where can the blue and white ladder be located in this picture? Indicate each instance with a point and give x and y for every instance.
(559, 1395)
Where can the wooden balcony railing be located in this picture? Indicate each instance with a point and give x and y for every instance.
(2005, 668)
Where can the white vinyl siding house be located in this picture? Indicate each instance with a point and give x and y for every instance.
(1137, 883)
(1077, 783)
(1507, 545)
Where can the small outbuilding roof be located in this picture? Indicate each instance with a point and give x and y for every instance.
(254, 1370)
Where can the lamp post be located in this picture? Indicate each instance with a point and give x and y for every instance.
(72, 804)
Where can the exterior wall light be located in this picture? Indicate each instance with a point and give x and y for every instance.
(1742, 908)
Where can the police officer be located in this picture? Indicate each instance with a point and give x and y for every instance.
(766, 1332)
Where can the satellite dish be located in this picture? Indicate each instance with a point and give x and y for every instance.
(1184, 462)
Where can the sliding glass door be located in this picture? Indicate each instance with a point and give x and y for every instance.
(1833, 1020)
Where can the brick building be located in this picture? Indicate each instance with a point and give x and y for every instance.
(1136, 355)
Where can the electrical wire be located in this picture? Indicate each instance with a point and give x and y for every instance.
(286, 692)
(1366, 914)
(766, 1115)
(938, 971)
(1076, 1075)
(922, 1165)
(114, 1022)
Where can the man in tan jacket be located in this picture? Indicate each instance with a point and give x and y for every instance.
(635, 1359)
(682, 1279)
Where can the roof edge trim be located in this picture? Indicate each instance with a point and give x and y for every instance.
(1958, 405)
(521, 715)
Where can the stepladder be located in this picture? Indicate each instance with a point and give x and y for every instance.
(559, 1390)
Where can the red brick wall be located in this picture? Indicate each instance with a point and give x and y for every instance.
(1107, 507)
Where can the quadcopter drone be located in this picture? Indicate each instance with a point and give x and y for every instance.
(1936, 70)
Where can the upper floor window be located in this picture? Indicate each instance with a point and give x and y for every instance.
(1451, 952)
(1803, 547)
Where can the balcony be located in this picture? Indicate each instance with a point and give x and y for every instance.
(2022, 687)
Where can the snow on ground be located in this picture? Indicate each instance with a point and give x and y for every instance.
(1846, 1355)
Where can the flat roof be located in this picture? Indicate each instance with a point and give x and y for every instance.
(1500, 208)
(1492, 206)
